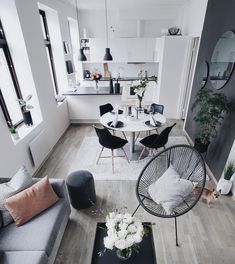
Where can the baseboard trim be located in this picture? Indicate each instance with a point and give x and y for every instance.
(208, 170)
(84, 121)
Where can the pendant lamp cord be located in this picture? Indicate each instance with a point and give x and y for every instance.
(106, 22)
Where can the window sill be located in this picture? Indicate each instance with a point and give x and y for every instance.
(24, 130)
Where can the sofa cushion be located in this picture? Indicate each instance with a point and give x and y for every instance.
(38, 234)
(24, 257)
(25, 205)
(21, 180)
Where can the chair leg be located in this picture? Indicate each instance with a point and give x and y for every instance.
(176, 233)
(100, 155)
(112, 161)
(125, 155)
(141, 154)
(124, 135)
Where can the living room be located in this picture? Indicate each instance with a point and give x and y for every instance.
(96, 95)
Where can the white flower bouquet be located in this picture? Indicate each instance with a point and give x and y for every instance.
(139, 87)
(124, 233)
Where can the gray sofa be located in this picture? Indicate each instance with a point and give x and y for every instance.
(37, 241)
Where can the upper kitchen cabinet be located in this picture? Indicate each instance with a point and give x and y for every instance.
(97, 49)
(136, 49)
(119, 51)
(124, 49)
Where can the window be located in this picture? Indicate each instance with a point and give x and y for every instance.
(9, 86)
(48, 49)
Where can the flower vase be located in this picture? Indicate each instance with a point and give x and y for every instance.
(124, 254)
(96, 86)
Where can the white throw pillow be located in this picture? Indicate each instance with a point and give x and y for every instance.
(170, 190)
(20, 181)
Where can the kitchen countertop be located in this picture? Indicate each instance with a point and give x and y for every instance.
(150, 79)
(91, 91)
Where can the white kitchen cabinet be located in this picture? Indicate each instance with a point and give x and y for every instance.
(137, 49)
(119, 50)
(150, 49)
(97, 49)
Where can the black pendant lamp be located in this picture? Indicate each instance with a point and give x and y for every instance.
(81, 56)
(107, 55)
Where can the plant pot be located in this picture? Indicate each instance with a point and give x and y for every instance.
(224, 185)
(15, 136)
(27, 118)
(198, 145)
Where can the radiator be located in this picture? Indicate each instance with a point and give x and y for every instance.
(39, 148)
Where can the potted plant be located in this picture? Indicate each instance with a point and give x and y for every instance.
(212, 107)
(225, 183)
(14, 133)
(25, 107)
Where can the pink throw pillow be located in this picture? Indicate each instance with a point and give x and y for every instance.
(25, 205)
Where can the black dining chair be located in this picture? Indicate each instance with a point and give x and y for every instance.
(156, 141)
(109, 108)
(105, 109)
(157, 108)
(107, 140)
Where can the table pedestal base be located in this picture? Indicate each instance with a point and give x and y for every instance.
(133, 155)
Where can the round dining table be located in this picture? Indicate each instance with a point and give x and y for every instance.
(132, 125)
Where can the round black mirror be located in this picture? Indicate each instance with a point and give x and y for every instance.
(222, 61)
(203, 73)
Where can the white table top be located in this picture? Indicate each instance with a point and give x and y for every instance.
(132, 124)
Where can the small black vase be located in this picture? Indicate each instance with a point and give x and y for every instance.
(198, 145)
(117, 88)
(111, 86)
(27, 118)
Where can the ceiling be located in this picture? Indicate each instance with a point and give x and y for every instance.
(123, 4)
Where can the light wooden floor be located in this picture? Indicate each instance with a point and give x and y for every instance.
(206, 235)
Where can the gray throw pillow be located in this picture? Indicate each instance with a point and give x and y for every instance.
(19, 182)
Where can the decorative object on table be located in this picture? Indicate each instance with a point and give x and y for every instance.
(139, 87)
(156, 141)
(14, 133)
(124, 234)
(212, 107)
(117, 87)
(111, 90)
(87, 74)
(107, 140)
(107, 56)
(222, 60)
(81, 189)
(225, 183)
(188, 164)
(96, 76)
(25, 110)
(174, 31)
(107, 73)
(152, 121)
(82, 56)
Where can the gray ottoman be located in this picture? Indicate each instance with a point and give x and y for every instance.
(81, 189)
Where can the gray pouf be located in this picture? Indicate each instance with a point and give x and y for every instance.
(81, 188)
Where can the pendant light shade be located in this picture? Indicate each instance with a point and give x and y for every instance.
(107, 56)
(81, 56)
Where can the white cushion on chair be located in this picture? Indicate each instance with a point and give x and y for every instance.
(170, 190)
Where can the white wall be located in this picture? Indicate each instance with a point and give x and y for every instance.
(55, 118)
(192, 17)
